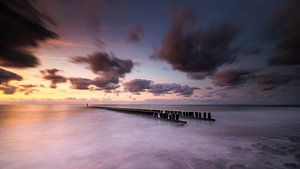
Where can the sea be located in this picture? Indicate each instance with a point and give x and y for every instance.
(80, 137)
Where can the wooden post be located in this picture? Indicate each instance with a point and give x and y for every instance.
(204, 115)
(209, 116)
(176, 117)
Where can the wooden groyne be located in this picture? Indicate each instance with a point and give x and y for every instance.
(170, 115)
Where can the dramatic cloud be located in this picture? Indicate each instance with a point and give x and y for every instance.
(141, 85)
(298, 69)
(166, 88)
(109, 68)
(252, 51)
(22, 27)
(137, 85)
(6, 76)
(274, 80)
(89, 84)
(199, 75)
(100, 83)
(8, 89)
(231, 77)
(102, 62)
(81, 83)
(195, 50)
(51, 74)
(107, 82)
(135, 34)
(285, 29)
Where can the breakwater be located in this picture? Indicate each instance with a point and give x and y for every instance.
(170, 115)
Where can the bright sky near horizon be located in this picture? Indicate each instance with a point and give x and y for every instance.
(159, 51)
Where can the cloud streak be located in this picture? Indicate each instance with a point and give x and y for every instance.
(6, 76)
(108, 67)
(194, 50)
(97, 84)
(22, 27)
(136, 86)
(274, 80)
(8, 89)
(51, 75)
(231, 77)
(81, 83)
(285, 29)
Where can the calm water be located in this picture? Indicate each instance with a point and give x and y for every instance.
(74, 137)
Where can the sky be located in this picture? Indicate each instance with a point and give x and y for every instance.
(158, 51)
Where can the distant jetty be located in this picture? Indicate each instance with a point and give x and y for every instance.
(170, 115)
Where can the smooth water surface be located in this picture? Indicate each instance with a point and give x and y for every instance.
(76, 137)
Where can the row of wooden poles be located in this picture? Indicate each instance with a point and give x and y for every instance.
(163, 114)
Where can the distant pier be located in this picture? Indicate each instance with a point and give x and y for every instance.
(170, 115)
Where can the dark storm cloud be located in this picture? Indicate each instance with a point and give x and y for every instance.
(298, 69)
(135, 34)
(109, 68)
(6, 76)
(273, 80)
(97, 84)
(81, 83)
(141, 85)
(22, 27)
(107, 82)
(51, 74)
(166, 88)
(137, 85)
(199, 75)
(8, 89)
(285, 29)
(252, 51)
(231, 77)
(196, 50)
(102, 62)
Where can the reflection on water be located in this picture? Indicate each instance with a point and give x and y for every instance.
(26, 114)
(71, 137)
